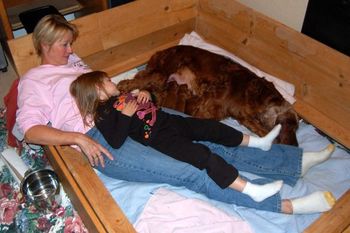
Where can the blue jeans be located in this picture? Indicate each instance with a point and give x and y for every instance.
(135, 162)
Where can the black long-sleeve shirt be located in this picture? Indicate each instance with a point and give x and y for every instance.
(116, 127)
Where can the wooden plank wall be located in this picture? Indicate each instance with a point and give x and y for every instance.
(103, 44)
(321, 75)
(5, 22)
(91, 6)
(163, 24)
(336, 220)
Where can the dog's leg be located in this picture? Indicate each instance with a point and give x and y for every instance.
(253, 125)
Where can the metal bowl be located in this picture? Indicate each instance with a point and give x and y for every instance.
(41, 188)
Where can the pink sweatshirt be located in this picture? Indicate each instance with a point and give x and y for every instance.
(44, 97)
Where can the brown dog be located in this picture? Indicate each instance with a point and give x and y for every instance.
(212, 86)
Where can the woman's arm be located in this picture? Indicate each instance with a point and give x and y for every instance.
(45, 135)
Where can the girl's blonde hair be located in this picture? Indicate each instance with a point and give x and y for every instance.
(50, 29)
(85, 91)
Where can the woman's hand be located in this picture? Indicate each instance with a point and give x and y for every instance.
(143, 97)
(130, 108)
(93, 150)
(45, 135)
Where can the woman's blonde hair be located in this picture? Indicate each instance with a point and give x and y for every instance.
(85, 91)
(50, 29)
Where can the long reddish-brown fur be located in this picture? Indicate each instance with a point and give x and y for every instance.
(207, 85)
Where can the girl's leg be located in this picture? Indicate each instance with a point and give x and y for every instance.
(169, 142)
(256, 192)
(263, 143)
(217, 132)
(222, 173)
(207, 130)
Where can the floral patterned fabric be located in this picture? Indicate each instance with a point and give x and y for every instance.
(19, 215)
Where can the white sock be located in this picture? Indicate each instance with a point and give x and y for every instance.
(311, 159)
(316, 202)
(264, 143)
(260, 192)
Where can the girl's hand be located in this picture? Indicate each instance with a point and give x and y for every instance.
(130, 108)
(143, 97)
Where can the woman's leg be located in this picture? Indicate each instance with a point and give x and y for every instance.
(316, 202)
(282, 162)
(135, 162)
(171, 142)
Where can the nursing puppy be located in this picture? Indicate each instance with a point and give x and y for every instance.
(207, 85)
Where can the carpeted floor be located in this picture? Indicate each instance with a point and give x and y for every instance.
(16, 213)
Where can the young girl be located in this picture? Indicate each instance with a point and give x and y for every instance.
(119, 116)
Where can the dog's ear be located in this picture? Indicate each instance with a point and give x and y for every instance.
(170, 97)
(141, 74)
(290, 122)
(183, 94)
(123, 86)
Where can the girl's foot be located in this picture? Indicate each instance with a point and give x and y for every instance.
(264, 143)
(260, 192)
